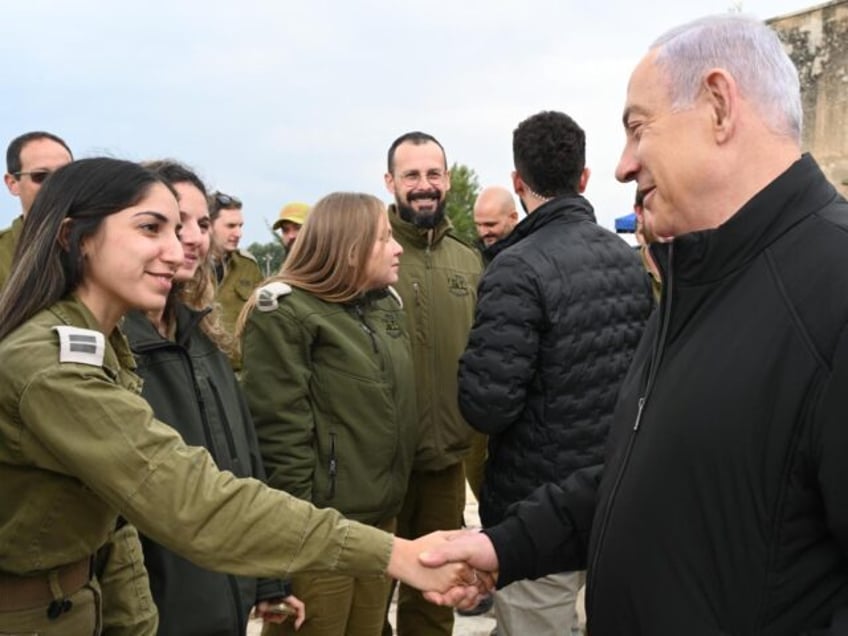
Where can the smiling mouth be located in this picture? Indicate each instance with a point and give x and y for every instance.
(431, 196)
(165, 280)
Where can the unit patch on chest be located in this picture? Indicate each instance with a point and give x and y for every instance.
(85, 346)
(393, 326)
(458, 285)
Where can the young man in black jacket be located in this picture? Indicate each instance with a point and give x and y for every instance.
(560, 310)
(721, 507)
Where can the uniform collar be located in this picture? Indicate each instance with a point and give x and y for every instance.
(144, 335)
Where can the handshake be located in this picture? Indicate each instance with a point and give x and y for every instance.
(454, 568)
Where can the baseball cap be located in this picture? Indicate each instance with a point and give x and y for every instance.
(295, 212)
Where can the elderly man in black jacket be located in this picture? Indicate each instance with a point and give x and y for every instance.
(560, 311)
(722, 506)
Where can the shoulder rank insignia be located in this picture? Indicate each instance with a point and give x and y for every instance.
(85, 346)
(267, 296)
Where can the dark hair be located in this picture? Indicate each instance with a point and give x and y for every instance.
(640, 198)
(69, 208)
(219, 201)
(549, 151)
(417, 138)
(173, 172)
(13, 152)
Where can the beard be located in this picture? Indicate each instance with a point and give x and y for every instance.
(427, 219)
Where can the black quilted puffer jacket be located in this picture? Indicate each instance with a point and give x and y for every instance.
(560, 311)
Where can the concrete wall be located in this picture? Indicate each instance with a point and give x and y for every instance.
(817, 41)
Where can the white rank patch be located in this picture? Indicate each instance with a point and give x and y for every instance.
(85, 346)
(267, 295)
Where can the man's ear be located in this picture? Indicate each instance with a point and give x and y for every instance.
(583, 180)
(12, 184)
(389, 180)
(722, 96)
(518, 183)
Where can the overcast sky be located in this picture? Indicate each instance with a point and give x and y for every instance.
(274, 101)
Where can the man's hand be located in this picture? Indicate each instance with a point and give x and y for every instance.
(404, 565)
(477, 551)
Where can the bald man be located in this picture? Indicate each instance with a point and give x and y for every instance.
(494, 214)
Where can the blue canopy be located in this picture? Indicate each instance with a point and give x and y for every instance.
(626, 224)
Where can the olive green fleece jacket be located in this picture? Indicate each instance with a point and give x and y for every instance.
(331, 392)
(438, 283)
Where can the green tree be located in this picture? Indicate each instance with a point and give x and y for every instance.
(460, 201)
(269, 255)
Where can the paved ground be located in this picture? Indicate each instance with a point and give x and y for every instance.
(464, 625)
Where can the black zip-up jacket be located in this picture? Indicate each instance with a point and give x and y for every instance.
(190, 385)
(560, 310)
(723, 506)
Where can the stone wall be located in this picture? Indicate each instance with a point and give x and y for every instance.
(817, 41)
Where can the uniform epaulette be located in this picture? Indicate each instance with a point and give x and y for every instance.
(85, 346)
(267, 296)
(247, 254)
(394, 294)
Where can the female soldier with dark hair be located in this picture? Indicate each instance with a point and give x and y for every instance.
(189, 383)
(79, 446)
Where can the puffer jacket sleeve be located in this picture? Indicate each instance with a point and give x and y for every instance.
(276, 374)
(498, 364)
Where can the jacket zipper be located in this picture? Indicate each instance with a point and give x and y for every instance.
(659, 348)
(367, 328)
(333, 467)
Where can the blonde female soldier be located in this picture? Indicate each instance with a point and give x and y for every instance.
(327, 371)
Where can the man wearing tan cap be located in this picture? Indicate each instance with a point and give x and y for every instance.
(292, 217)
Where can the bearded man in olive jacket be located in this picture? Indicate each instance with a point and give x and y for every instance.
(438, 284)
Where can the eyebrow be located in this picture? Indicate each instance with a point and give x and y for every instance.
(158, 215)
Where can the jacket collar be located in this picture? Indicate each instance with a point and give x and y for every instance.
(144, 336)
(569, 208)
(710, 255)
(418, 236)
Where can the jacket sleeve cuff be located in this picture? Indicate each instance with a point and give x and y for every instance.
(366, 550)
(513, 548)
(267, 589)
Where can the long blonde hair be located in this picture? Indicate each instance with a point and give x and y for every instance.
(331, 254)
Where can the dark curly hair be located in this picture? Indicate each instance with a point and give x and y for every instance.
(549, 151)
